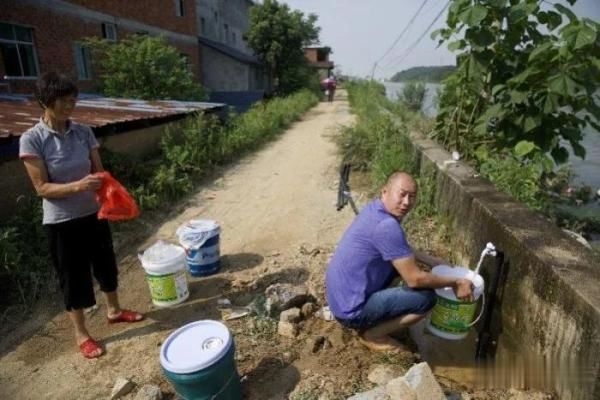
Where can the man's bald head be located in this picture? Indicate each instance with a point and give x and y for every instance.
(399, 194)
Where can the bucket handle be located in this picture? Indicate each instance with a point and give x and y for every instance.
(480, 312)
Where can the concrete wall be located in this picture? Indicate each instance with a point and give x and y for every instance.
(138, 144)
(217, 13)
(223, 73)
(551, 300)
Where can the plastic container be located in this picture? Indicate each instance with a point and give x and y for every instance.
(451, 318)
(165, 266)
(198, 359)
(200, 239)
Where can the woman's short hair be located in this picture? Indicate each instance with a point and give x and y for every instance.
(52, 85)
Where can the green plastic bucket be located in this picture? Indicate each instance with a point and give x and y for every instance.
(451, 318)
(165, 268)
(198, 359)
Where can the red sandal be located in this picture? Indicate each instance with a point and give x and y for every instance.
(89, 348)
(126, 316)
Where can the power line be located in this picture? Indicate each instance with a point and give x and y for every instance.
(401, 58)
(402, 33)
(397, 39)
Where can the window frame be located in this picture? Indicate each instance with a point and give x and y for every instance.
(86, 62)
(21, 43)
(179, 8)
(113, 29)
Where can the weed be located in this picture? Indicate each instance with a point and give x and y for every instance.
(306, 395)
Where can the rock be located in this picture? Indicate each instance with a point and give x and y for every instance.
(378, 393)
(398, 389)
(121, 388)
(325, 314)
(283, 296)
(287, 329)
(149, 392)
(290, 315)
(314, 344)
(308, 309)
(421, 380)
(382, 374)
(578, 237)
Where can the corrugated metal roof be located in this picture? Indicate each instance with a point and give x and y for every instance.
(18, 113)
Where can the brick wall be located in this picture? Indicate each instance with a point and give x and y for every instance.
(311, 55)
(160, 13)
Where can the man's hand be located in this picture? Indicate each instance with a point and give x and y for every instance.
(463, 289)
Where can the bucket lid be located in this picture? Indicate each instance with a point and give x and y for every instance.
(195, 232)
(160, 255)
(195, 346)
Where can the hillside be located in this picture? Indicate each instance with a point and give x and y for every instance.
(426, 74)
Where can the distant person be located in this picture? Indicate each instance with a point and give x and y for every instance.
(61, 157)
(331, 86)
(373, 251)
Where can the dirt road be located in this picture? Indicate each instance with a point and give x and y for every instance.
(279, 223)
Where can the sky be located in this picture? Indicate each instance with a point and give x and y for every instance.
(361, 31)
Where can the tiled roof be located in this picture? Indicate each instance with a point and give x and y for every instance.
(19, 113)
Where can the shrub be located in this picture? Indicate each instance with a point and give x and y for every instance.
(413, 95)
(144, 67)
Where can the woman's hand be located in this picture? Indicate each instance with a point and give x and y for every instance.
(89, 183)
(463, 289)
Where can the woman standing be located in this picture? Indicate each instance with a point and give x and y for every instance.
(61, 157)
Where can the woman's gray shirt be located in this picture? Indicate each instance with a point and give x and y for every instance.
(67, 159)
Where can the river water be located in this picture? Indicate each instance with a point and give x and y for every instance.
(586, 171)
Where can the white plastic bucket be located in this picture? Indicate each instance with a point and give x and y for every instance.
(164, 264)
(201, 240)
(452, 318)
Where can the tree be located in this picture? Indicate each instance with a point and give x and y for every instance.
(526, 81)
(144, 67)
(279, 35)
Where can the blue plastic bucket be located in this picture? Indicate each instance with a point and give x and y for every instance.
(198, 359)
(200, 238)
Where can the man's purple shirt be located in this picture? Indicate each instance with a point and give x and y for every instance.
(362, 262)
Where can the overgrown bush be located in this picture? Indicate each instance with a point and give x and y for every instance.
(413, 95)
(144, 67)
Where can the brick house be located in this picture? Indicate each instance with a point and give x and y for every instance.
(318, 58)
(42, 35)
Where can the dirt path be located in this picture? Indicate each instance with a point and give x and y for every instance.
(279, 223)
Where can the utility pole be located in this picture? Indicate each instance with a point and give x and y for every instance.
(373, 70)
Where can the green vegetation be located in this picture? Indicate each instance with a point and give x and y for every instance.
(143, 67)
(413, 95)
(203, 142)
(525, 85)
(279, 35)
(425, 74)
(379, 142)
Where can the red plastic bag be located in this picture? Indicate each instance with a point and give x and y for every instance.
(116, 204)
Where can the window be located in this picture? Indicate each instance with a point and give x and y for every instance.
(179, 9)
(18, 51)
(203, 26)
(82, 61)
(109, 31)
(216, 15)
(226, 33)
(233, 38)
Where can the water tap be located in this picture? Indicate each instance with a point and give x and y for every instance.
(490, 250)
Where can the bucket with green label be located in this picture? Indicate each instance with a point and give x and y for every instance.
(451, 318)
(165, 268)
